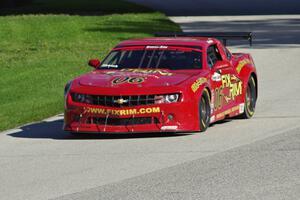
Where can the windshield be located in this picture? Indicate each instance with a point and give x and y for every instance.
(153, 58)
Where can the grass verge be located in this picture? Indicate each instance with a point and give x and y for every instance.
(39, 53)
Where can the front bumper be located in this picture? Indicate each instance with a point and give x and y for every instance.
(172, 117)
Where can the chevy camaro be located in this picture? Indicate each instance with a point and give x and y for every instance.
(171, 83)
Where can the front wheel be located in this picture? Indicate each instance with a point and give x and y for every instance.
(204, 111)
(250, 99)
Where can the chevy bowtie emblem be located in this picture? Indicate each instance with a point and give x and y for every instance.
(120, 101)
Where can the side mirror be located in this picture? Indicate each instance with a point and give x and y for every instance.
(220, 64)
(94, 63)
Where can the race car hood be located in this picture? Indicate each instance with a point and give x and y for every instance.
(135, 78)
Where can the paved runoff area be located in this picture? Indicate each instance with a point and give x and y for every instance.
(234, 159)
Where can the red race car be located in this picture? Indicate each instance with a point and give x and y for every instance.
(176, 82)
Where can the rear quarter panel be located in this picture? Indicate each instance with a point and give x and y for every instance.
(245, 67)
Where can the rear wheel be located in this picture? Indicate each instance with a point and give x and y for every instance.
(250, 99)
(204, 111)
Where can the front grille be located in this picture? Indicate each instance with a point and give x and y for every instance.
(122, 121)
(121, 101)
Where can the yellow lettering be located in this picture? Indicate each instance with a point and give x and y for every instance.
(156, 110)
(142, 110)
(196, 85)
(236, 90)
(115, 112)
(164, 73)
(242, 64)
(122, 112)
(132, 111)
(148, 110)
(226, 80)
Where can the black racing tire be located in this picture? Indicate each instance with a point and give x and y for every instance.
(204, 111)
(250, 99)
(76, 134)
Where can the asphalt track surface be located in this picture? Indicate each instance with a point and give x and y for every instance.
(223, 7)
(234, 159)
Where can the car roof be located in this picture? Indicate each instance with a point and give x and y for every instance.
(181, 41)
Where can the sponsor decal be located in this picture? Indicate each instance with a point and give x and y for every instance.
(218, 98)
(163, 128)
(120, 112)
(234, 84)
(195, 86)
(216, 77)
(231, 88)
(242, 108)
(127, 79)
(109, 66)
(212, 119)
(212, 105)
(241, 64)
(227, 112)
(110, 73)
(148, 71)
(156, 47)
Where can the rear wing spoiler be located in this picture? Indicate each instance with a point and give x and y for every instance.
(224, 36)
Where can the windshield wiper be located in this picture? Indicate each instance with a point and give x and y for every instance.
(158, 61)
(142, 60)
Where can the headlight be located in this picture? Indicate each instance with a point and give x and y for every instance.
(67, 88)
(171, 98)
(168, 98)
(79, 98)
(82, 98)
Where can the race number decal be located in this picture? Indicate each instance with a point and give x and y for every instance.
(127, 79)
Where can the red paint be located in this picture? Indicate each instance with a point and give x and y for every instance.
(164, 81)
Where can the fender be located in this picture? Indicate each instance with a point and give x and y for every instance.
(196, 90)
(245, 73)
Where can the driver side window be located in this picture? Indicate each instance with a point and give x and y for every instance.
(213, 55)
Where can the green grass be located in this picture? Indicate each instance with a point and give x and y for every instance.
(40, 53)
